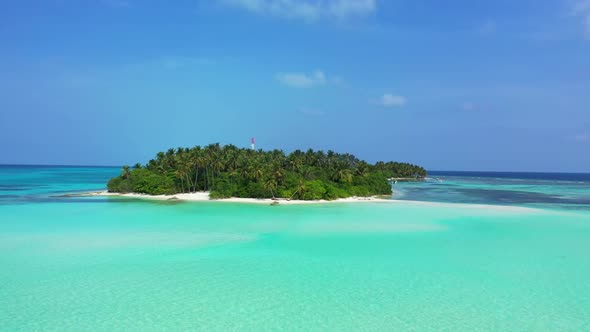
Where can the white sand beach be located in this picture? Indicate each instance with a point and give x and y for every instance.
(204, 196)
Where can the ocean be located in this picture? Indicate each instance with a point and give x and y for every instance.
(461, 251)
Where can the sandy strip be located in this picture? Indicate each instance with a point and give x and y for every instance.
(204, 196)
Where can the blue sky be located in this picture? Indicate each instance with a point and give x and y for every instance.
(452, 85)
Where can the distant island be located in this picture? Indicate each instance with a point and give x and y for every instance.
(228, 171)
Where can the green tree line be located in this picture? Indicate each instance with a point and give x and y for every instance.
(229, 171)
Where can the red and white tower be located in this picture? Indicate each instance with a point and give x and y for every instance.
(253, 142)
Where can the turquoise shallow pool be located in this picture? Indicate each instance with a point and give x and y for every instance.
(119, 264)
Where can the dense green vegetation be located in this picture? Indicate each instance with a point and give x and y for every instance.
(228, 171)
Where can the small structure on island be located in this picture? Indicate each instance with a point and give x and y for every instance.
(253, 143)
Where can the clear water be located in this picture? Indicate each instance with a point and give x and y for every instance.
(557, 190)
(442, 265)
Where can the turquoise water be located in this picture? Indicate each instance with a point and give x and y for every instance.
(121, 264)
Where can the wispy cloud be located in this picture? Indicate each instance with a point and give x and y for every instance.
(303, 80)
(581, 8)
(307, 10)
(391, 100)
(346, 8)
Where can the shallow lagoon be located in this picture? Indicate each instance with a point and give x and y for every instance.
(112, 263)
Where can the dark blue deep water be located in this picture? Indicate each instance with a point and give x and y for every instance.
(577, 177)
(553, 190)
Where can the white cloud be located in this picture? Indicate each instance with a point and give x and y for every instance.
(391, 100)
(307, 10)
(581, 8)
(303, 80)
(346, 8)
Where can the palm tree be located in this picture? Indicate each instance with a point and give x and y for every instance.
(300, 189)
(180, 174)
(271, 185)
(279, 174)
(307, 172)
(160, 157)
(258, 172)
(342, 175)
(197, 168)
(294, 163)
(321, 158)
(362, 169)
(125, 172)
(330, 157)
(194, 161)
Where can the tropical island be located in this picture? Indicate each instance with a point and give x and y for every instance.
(228, 171)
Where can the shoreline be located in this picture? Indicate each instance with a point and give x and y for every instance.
(203, 196)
